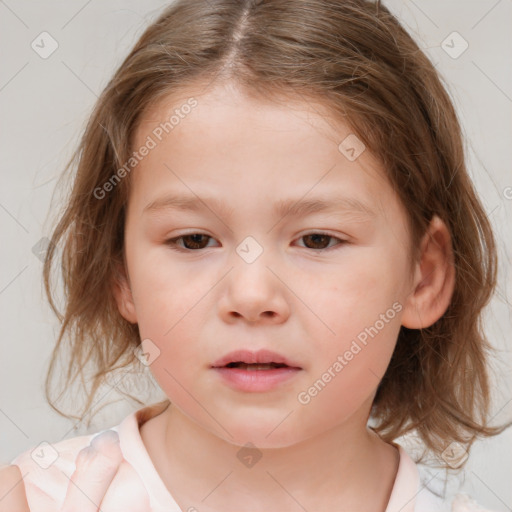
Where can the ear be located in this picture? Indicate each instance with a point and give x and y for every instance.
(434, 278)
(123, 294)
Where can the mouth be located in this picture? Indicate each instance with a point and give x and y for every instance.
(261, 371)
(255, 366)
(262, 360)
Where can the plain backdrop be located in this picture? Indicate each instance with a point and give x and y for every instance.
(44, 104)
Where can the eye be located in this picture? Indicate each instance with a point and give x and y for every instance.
(319, 240)
(192, 241)
(195, 241)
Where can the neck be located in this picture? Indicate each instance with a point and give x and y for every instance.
(332, 471)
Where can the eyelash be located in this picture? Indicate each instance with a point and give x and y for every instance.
(172, 242)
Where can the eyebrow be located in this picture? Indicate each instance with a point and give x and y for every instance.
(282, 208)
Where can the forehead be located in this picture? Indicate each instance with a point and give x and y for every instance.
(213, 107)
(222, 139)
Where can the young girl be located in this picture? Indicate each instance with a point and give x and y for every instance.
(272, 211)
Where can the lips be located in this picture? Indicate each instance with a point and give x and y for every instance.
(256, 372)
(250, 360)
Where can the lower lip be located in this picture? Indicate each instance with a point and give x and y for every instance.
(256, 380)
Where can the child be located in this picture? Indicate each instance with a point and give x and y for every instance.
(235, 137)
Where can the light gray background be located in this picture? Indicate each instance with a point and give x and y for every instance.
(44, 104)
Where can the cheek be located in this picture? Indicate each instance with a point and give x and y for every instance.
(163, 290)
(172, 304)
(362, 309)
(349, 371)
(359, 291)
(169, 314)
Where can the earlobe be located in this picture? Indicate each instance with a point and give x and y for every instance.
(434, 279)
(123, 295)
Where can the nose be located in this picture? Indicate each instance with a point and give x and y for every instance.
(255, 293)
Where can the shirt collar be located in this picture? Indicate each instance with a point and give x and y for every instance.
(405, 488)
(402, 498)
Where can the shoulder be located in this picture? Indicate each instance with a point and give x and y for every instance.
(47, 468)
(12, 493)
(416, 489)
(427, 501)
(463, 503)
(433, 496)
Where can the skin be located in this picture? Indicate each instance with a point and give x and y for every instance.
(295, 299)
(12, 490)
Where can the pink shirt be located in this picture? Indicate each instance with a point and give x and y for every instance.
(46, 481)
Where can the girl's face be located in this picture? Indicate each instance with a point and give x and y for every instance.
(323, 286)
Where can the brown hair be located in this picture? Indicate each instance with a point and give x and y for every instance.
(357, 60)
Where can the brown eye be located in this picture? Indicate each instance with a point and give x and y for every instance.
(319, 241)
(193, 241)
